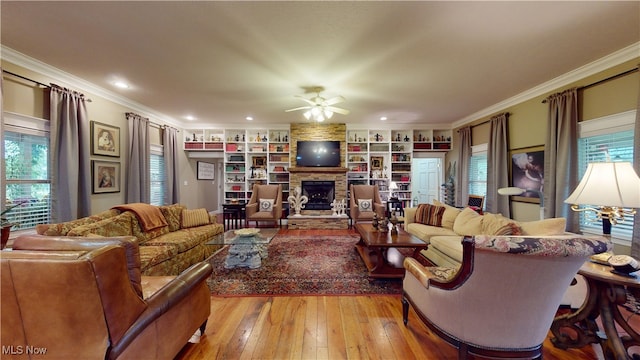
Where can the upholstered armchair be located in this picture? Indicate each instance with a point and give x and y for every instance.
(364, 202)
(502, 300)
(265, 204)
(84, 298)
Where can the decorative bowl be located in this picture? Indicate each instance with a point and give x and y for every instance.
(247, 232)
(624, 264)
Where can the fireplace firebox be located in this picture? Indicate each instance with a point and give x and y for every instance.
(319, 193)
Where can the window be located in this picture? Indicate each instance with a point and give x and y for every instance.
(26, 172)
(478, 170)
(606, 139)
(157, 176)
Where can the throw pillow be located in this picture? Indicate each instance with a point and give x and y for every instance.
(468, 223)
(365, 205)
(496, 224)
(430, 214)
(449, 216)
(196, 217)
(266, 205)
(552, 226)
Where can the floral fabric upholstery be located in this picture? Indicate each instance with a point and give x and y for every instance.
(162, 251)
(173, 213)
(62, 229)
(558, 245)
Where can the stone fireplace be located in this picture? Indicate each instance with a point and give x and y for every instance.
(319, 193)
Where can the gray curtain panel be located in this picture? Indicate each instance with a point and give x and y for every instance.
(70, 148)
(561, 156)
(635, 239)
(462, 189)
(138, 182)
(498, 166)
(170, 141)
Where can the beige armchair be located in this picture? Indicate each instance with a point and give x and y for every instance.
(502, 300)
(84, 298)
(364, 202)
(265, 204)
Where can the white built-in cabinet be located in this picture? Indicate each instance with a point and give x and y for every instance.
(376, 157)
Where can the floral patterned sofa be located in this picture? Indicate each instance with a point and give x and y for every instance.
(176, 242)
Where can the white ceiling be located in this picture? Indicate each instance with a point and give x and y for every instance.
(414, 62)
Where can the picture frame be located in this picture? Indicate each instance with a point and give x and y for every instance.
(105, 139)
(527, 172)
(376, 162)
(259, 162)
(206, 171)
(105, 176)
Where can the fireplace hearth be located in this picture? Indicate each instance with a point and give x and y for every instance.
(319, 193)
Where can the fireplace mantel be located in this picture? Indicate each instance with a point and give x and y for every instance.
(318, 169)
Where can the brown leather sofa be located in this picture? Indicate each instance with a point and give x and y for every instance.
(84, 298)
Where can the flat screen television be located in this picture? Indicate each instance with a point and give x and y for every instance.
(318, 153)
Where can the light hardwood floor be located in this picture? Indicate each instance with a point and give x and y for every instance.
(325, 327)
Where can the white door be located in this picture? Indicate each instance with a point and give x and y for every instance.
(426, 178)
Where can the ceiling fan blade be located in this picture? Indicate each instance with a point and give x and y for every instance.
(299, 108)
(311, 102)
(334, 100)
(338, 110)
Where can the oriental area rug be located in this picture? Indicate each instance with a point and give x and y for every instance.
(301, 265)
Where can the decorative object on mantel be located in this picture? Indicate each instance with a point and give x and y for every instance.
(297, 200)
(338, 207)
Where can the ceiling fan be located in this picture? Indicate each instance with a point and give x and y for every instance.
(319, 108)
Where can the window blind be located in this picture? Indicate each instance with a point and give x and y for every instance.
(157, 176)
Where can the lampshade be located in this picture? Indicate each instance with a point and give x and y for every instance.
(393, 186)
(510, 191)
(613, 184)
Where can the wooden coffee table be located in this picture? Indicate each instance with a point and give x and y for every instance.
(379, 251)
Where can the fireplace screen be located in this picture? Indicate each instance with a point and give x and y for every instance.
(319, 193)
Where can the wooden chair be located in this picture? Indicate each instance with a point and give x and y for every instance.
(502, 300)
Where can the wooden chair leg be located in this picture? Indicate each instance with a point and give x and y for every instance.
(405, 310)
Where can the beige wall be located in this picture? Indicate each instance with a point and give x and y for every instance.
(24, 97)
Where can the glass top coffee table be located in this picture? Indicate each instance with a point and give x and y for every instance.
(247, 246)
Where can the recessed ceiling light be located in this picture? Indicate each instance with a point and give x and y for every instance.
(121, 84)
(190, 117)
(249, 118)
(383, 118)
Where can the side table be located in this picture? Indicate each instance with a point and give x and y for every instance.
(606, 291)
(233, 215)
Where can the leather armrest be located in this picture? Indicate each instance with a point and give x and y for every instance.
(76, 243)
(163, 300)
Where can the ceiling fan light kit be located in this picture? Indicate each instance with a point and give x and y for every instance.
(319, 108)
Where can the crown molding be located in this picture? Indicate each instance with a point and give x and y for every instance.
(82, 85)
(623, 55)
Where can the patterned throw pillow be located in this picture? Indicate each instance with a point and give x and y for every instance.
(509, 229)
(430, 214)
(196, 217)
(365, 205)
(266, 204)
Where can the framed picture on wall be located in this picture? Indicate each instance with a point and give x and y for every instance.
(105, 139)
(376, 162)
(206, 171)
(106, 176)
(527, 173)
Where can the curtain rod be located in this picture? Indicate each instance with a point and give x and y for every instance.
(625, 73)
(25, 78)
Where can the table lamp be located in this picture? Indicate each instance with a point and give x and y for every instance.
(610, 189)
(393, 186)
(512, 190)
